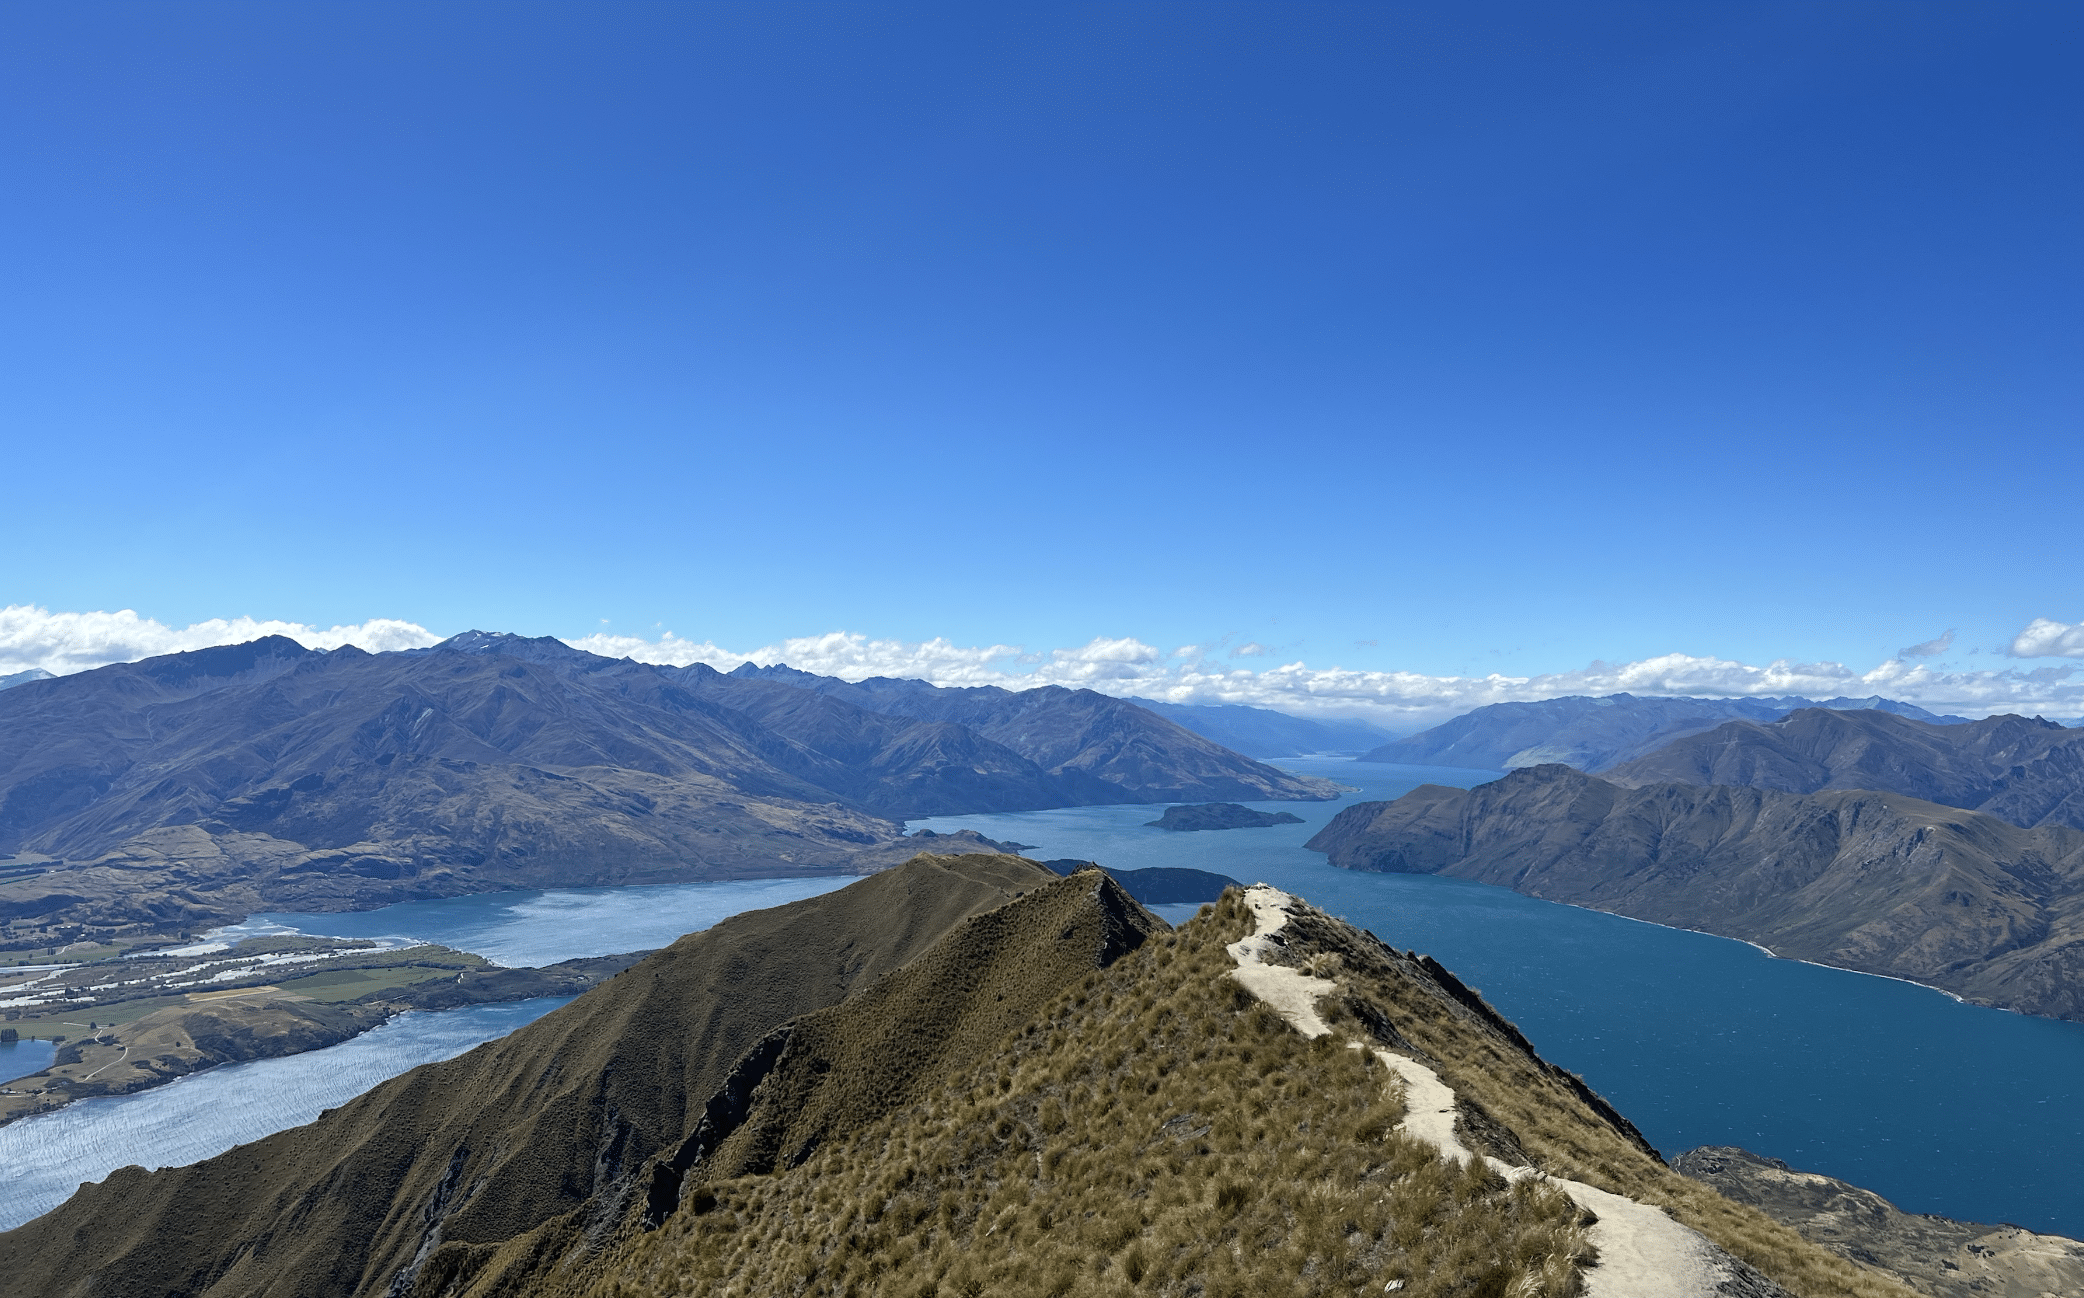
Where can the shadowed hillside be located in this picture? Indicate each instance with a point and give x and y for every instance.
(487, 1146)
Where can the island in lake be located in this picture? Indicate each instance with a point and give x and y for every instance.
(1220, 815)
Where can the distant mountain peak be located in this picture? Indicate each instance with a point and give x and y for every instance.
(541, 648)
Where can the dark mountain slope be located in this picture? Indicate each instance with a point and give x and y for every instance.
(489, 1145)
(2029, 772)
(1068, 733)
(1870, 881)
(1593, 734)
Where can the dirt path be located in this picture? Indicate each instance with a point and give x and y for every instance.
(110, 1064)
(1642, 1252)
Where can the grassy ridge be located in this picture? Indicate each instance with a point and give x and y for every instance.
(1156, 1130)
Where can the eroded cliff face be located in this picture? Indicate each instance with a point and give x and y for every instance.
(1870, 881)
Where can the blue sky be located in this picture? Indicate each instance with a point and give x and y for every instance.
(1443, 339)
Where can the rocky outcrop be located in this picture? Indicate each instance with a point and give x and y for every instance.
(1934, 1255)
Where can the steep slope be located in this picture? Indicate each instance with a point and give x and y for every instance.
(2029, 772)
(1068, 733)
(1593, 734)
(1057, 1097)
(487, 1146)
(1869, 881)
(1263, 732)
(1169, 1125)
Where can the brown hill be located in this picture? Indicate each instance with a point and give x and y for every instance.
(1869, 881)
(2026, 771)
(1056, 1097)
(487, 1146)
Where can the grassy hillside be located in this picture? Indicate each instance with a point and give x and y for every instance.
(962, 1077)
(1156, 1129)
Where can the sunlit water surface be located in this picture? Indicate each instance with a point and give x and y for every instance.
(45, 1158)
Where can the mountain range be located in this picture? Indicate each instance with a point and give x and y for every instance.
(1860, 879)
(198, 787)
(1595, 733)
(2026, 771)
(960, 1076)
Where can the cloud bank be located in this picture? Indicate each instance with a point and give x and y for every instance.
(62, 643)
(1403, 700)
(69, 642)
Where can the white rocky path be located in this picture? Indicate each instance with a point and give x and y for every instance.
(1642, 1252)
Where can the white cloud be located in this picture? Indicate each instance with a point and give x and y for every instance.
(1251, 650)
(71, 642)
(838, 653)
(1404, 700)
(2046, 638)
(1930, 648)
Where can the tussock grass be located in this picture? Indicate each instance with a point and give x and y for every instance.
(1551, 1126)
(1155, 1130)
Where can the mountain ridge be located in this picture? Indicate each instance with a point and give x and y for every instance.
(195, 788)
(1591, 733)
(1052, 1093)
(2026, 771)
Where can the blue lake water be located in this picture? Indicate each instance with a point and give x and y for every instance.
(45, 1158)
(532, 929)
(21, 1058)
(1943, 1107)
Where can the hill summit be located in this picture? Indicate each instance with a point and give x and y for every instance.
(959, 1077)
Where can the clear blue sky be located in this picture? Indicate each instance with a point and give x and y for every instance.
(1501, 336)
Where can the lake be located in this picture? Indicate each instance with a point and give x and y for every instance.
(1943, 1107)
(21, 1058)
(535, 928)
(45, 1158)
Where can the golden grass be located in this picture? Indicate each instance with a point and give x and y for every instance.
(1155, 1131)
